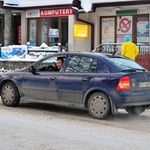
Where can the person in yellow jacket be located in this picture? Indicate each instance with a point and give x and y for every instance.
(129, 49)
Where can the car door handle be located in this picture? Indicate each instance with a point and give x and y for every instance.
(84, 79)
(52, 78)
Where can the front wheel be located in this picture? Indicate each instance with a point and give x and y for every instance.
(136, 110)
(99, 105)
(10, 95)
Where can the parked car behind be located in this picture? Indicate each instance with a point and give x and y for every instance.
(100, 83)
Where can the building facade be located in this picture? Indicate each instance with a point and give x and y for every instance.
(53, 24)
(10, 23)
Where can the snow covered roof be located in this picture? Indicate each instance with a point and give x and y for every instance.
(86, 4)
(30, 3)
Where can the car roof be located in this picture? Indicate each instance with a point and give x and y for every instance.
(91, 54)
(87, 54)
(95, 54)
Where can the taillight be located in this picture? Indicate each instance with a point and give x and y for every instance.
(124, 83)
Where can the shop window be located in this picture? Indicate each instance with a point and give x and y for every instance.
(108, 30)
(51, 31)
(142, 34)
(43, 28)
(114, 29)
(32, 32)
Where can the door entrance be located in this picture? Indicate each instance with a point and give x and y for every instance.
(16, 32)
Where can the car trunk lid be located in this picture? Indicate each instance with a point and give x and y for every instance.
(140, 81)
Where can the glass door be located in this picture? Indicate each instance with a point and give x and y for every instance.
(64, 30)
(53, 32)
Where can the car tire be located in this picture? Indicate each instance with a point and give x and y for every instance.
(10, 95)
(99, 105)
(136, 110)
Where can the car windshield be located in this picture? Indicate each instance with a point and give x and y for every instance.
(126, 64)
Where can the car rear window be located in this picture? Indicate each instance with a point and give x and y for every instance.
(125, 64)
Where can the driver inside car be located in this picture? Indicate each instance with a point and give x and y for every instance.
(59, 63)
(56, 65)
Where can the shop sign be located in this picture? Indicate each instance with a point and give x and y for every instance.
(56, 12)
(33, 13)
(80, 31)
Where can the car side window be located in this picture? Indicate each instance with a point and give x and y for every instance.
(103, 68)
(81, 64)
(46, 64)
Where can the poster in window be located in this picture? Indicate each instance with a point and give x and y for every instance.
(53, 33)
(143, 30)
(124, 27)
(108, 30)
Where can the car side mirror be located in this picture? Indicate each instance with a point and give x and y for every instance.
(32, 69)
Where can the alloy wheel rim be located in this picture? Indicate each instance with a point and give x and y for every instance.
(98, 105)
(8, 94)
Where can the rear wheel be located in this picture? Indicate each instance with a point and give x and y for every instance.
(9, 94)
(136, 110)
(99, 105)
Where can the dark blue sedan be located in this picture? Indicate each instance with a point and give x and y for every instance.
(100, 83)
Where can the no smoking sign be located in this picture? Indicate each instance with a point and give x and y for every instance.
(124, 25)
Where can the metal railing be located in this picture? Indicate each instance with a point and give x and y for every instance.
(116, 48)
(143, 57)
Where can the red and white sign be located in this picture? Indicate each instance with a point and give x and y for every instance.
(56, 12)
(124, 27)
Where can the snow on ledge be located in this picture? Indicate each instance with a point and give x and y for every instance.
(86, 4)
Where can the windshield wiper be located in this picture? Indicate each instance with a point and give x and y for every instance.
(133, 70)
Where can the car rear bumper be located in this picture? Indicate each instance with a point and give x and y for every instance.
(132, 99)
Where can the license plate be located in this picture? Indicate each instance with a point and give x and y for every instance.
(144, 84)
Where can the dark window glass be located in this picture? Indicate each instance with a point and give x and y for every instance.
(125, 64)
(45, 64)
(81, 64)
(103, 68)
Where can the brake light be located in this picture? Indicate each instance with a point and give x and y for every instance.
(124, 83)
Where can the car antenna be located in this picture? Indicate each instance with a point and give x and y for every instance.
(115, 51)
